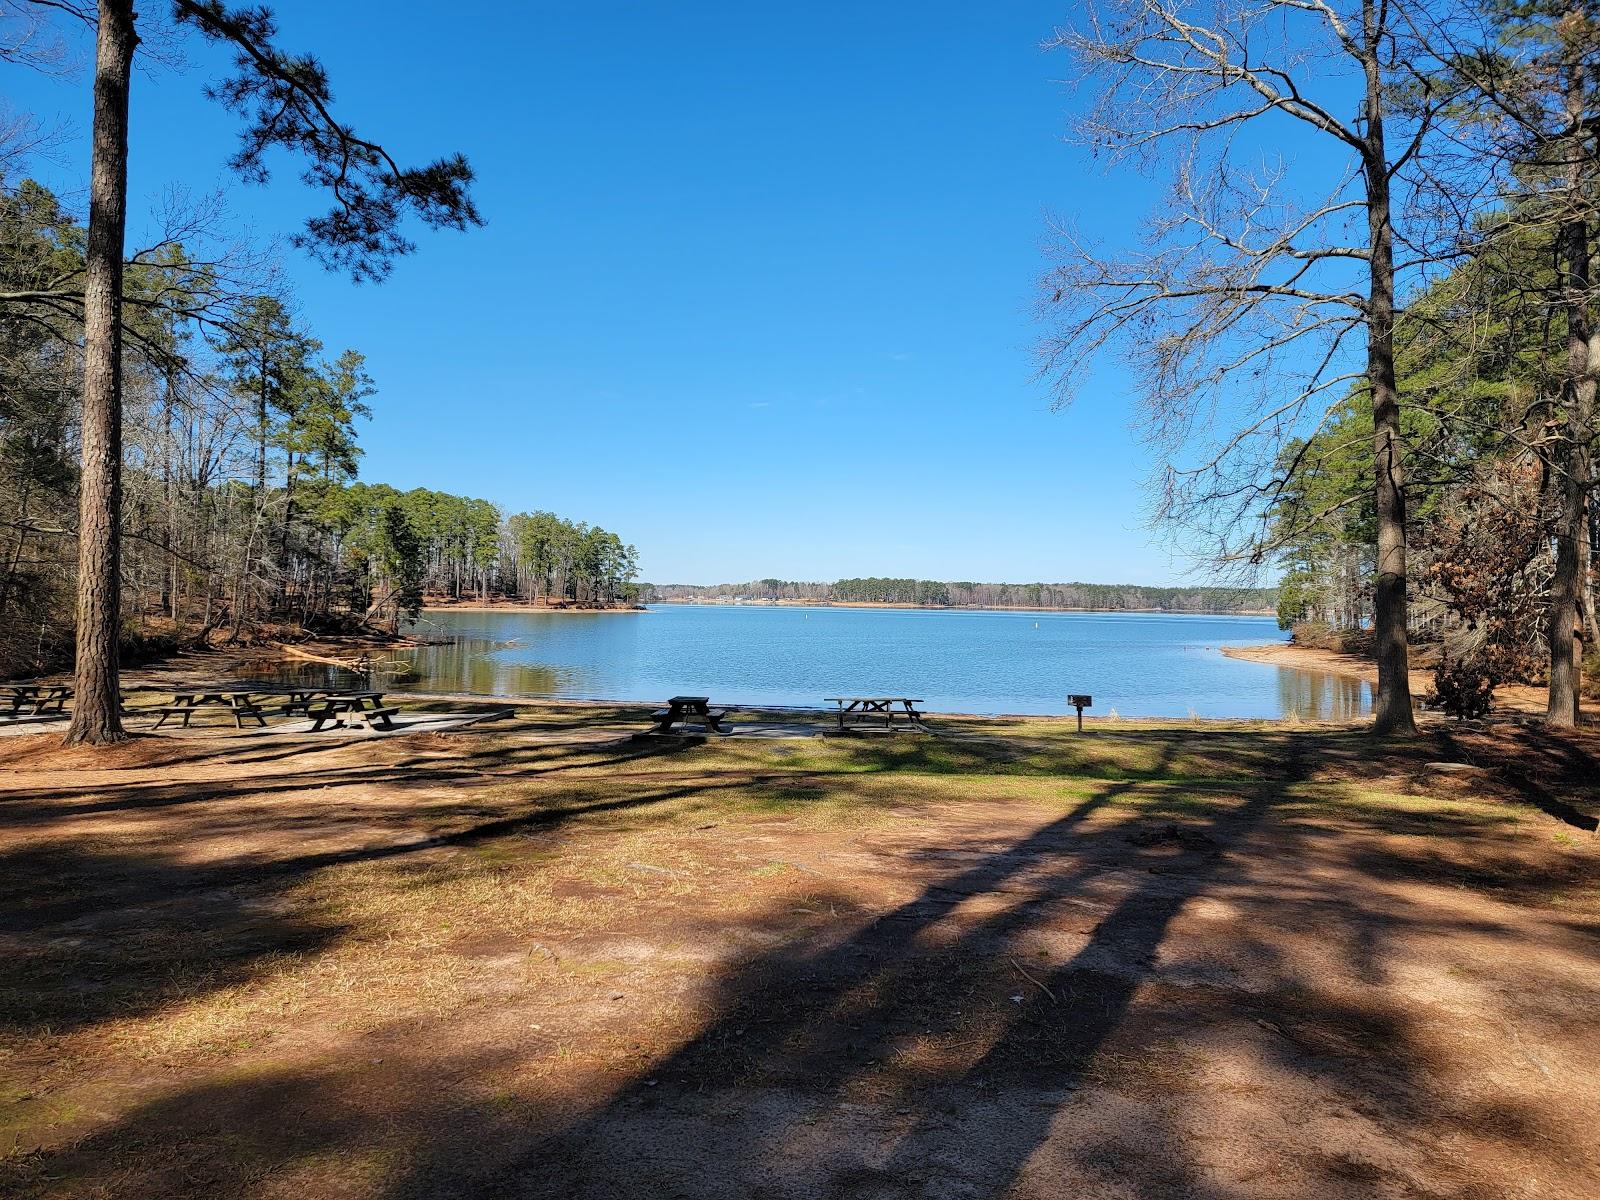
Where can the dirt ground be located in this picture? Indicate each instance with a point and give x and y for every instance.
(535, 958)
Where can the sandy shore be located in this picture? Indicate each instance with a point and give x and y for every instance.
(1304, 658)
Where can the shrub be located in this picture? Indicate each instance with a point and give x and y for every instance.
(1461, 688)
(1320, 635)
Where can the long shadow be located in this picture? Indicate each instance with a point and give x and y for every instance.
(89, 934)
(22, 806)
(833, 1014)
(837, 1020)
(105, 955)
(1565, 759)
(116, 889)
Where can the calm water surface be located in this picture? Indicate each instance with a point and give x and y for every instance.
(979, 662)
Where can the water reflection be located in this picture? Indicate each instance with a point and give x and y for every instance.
(962, 662)
(1137, 664)
(482, 666)
(1320, 696)
(292, 673)
(467, 665)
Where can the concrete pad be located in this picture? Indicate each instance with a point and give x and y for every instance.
(404, 722)
(12, 726)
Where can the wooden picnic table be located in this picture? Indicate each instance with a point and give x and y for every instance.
(863, 713)
(301, 697)
(333, 708)
(237, 703)
(37, 698)
(683, 709)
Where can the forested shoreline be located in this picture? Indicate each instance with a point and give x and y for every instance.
(1379, 375)
(242, 513)
(927, 593)
(1489, 445)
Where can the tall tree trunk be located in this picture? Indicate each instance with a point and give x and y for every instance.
(1392, 707)
(261, 431)
(24, 496)
(290, 479)
(1586, 621)
(1565, 629)
(96, 713)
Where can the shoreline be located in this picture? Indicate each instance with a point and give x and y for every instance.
(188, 664)
(900, 606)
(1021, 608)
(1511, 697)
(1306, 658)
(531, 608)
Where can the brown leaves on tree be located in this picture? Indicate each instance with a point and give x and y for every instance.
(1488, 565)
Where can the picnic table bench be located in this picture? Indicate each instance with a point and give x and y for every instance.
(37, 698)
(302, 698)
(683, 709)
(875, 714)
(237, 704)
(339, 708)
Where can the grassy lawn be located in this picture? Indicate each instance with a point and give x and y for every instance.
(534, 958)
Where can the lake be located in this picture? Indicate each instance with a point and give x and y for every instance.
(1138, 664)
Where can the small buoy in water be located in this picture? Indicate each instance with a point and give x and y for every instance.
(1036, 624)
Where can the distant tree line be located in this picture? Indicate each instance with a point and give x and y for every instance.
(240, 508)
(928, 593)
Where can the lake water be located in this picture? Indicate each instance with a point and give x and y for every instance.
(1139, 664)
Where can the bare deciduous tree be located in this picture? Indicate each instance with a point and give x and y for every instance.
(1250, 311)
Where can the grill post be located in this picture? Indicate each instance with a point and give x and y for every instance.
(1080, 703)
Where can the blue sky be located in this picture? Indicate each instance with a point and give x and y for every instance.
(756, 286)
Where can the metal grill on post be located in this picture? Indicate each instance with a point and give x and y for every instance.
(1080, 703)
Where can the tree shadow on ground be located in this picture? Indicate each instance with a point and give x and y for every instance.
(92, 934)
(927, 1051)
(21, 807)
(1553, 770)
